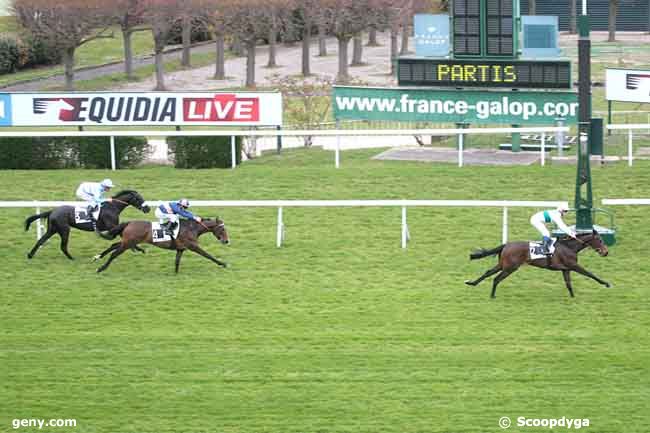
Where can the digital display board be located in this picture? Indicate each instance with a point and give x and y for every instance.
(553, 74)
(484, 28)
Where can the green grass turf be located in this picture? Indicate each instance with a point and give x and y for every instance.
(338, 331)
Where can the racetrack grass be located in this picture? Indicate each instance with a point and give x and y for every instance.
(340, 330)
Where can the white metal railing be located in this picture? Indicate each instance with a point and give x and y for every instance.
(629, 127)
(626, 201)
(460, 132)
(281, 204)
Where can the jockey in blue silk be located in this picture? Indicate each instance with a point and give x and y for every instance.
(540, 219)
(169, 213)
(93, 194)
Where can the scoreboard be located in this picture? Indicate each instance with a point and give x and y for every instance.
(554, 74)
(484, 28)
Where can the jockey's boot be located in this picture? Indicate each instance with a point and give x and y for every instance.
(547, 245)
(170, 227)
(89, 213)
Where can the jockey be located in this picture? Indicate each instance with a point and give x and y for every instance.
(540, 219)
(168, 214)
(93, 194)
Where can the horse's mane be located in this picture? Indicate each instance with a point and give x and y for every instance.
(125, 192)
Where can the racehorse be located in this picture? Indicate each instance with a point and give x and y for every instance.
(60, 220)
(565, 258)
(136, 232)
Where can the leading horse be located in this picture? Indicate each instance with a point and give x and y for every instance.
(565, 258)
(62, 218)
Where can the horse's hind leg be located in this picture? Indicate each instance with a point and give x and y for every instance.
(51, 231)
(567, 281)
(106, 251)
(64, 232)
(489, 273)
(502, 276)
(119, 250)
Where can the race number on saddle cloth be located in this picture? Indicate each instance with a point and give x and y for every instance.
(539, 221)
(159, 233)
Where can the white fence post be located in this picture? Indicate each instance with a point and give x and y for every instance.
(460, 150)
(233, 152)
(280, 233)
(406, 236)
(113, 153)
(504, 235)
(629, 148)
(337, 156)
(543, 156)
(39, 226)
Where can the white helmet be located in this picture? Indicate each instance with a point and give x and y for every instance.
(184, 202)
(107, 183)
(563, 208)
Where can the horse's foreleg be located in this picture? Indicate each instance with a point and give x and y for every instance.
(106, 251)
(179, 254)
(567, 281)
(197, 249)
(579, 269)
(119, 250)
(489, 273)
(138, 249)
(50, 232)
(502, 276)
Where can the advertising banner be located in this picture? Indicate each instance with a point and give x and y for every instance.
(466, 106)
(627, 85)
(141, 109)
(431, 34)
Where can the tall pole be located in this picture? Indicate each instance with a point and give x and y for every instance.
(584, 198)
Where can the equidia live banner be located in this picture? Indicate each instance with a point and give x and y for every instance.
(454, 106)
(135, 109)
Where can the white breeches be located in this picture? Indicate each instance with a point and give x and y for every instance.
(85, 197)
(541, 227)
(164, 217)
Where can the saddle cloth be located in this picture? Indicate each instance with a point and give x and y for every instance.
(81, 215)
(535, 249)
(159, 234)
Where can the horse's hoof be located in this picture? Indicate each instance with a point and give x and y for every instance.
(225, 265)
(30, 256)
(97, 257)
(470, 283)
(608, 285)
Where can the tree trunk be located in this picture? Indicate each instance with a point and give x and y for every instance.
(186, 36)
(273, 39)
(159, 47)
(372, 38)
(343, 76)
(128, 54)
(611, 25)
(532, 7)
(393, 51)
(306, 42)
(250, 64)
(357, 50)
(573, 22)
(405, 38)
(322, 41)
(68, 62)
(237, 47)
(220, 65)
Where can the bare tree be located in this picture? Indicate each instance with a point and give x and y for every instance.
(532, 7)
(211, 13)
(573, 20)
(611, 24)
(160, 15)
(277, 12)
(322, 32)
(67, 25)
(129, 17)
(357, 50)
(310, 14)
(346, 19)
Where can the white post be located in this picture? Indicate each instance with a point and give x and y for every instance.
(543, 161)
(504, 235)
(460, 150)
(280, 233)
(405, 230)
(233, 152)
(629, 148)
(38, 224)
(337, 156)
(112, 153)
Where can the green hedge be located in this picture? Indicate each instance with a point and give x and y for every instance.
(26, 52)
(69, 152)
(202, 152)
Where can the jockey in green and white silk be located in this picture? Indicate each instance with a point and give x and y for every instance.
(540, 219)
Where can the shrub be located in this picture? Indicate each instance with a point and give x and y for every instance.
(199, 32)
(202, 152)
(9, 54)
(69, 152)
(41, 51)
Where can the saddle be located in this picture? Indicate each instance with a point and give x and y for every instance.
(536, 249)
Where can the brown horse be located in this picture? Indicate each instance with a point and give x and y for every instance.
(565, 258)
(136, 232)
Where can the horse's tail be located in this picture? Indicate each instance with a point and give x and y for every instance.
(31, 219)
(485, 253)
(117, 230)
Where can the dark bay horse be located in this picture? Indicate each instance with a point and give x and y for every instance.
(61, 219)
(565, 258)
(136, 232)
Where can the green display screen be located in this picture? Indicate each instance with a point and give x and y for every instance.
(554, 74)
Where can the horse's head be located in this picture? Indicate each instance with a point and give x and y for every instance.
(596, 242)
(132, 198)
(218, 229)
